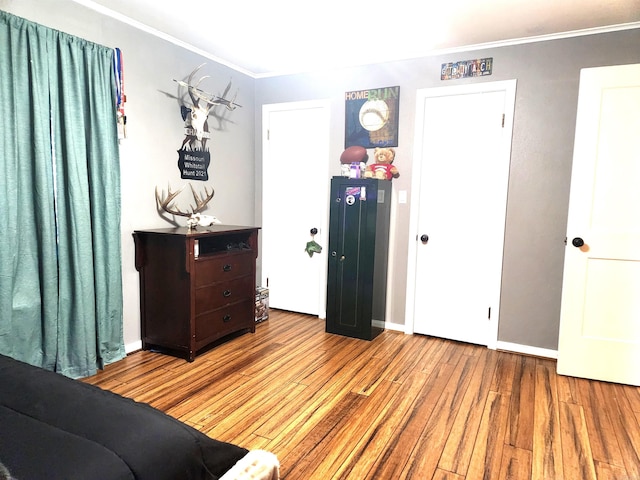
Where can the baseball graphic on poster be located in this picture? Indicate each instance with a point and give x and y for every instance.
(374, 114)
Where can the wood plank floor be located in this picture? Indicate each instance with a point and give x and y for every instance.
(398, 407)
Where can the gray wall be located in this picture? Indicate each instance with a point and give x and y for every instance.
(155, 130)
(547, 76)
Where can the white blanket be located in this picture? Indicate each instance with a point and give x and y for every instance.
(255, 465)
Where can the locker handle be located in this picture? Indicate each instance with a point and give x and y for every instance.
(424, 238)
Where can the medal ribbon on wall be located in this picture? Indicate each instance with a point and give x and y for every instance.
(121, 98)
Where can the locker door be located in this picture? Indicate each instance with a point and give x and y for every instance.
(352, 238)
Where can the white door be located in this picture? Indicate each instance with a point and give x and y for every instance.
(295, 191)
(600, 314)
(463, 152)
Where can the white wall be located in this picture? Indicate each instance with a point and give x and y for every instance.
(155, 130)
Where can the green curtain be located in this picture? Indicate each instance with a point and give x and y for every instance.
(60, 271)
(28, 271)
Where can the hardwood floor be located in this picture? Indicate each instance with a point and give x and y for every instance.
(400, 406)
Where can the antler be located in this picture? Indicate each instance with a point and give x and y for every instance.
(212, 100)
(201, 201)
(165, 203)
(190, 87)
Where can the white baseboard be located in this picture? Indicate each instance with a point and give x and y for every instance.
(393, 326)
(133, 346)
(527, 350)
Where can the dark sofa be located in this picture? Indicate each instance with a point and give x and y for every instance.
(56, 428)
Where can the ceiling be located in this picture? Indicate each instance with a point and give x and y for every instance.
(264, 38)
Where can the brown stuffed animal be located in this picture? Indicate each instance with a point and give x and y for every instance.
(382, 167)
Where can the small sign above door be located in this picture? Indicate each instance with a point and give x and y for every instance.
(466, 68)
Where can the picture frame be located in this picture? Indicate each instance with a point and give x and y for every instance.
(371, 117)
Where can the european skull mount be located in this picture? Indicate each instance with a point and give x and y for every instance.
(166, 203)
(197, 114)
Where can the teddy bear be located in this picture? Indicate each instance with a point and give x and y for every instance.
(382, 167)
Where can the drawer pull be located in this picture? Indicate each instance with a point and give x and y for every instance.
(227, 293)
(226, 318)
(226, 268)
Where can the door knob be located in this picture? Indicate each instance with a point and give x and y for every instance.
(424, 238)
(313, 231)
(577, 242)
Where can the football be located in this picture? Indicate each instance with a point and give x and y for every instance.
(353, 154)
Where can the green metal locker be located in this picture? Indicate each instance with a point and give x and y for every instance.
(358, 253)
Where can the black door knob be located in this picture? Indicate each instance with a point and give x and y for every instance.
(424, 238)
(577, 242)
(313, 231)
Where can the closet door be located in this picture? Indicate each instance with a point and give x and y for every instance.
(600, 314)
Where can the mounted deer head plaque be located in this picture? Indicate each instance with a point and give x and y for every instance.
(194, 157)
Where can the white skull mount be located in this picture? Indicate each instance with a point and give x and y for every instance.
(203, 220)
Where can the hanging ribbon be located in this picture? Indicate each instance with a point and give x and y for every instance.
(121, 98)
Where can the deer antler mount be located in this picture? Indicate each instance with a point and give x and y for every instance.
(167, 204)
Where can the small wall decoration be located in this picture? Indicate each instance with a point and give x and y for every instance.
(371, 117)
(466, 68)
(194, 156)
(121, 98)
(194, 164)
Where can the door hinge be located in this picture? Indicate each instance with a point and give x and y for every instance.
(269, 134)
(503, 120)
(267, 285)
(489, 314)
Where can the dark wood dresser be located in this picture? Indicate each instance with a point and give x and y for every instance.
(196, 286)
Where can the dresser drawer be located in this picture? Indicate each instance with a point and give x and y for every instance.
(217, 295)
(196, 286)
(220, 268)
(223, 321)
